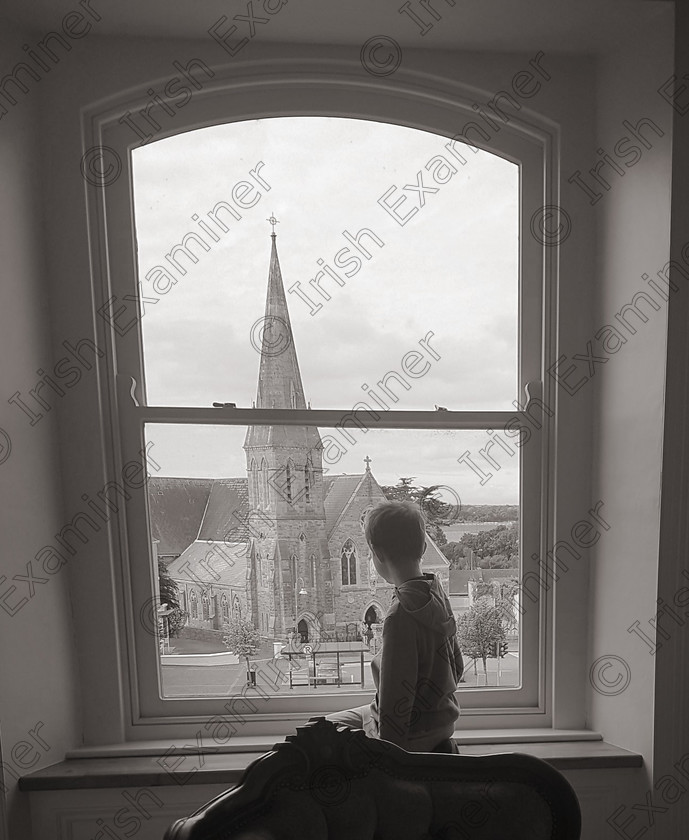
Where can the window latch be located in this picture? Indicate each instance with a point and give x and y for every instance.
(129, 389)
(533, 391)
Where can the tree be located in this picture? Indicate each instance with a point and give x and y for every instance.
(434, 509)
(495, 549)
(242, 638)
(169, 594)
(454, 552)
(479, 629)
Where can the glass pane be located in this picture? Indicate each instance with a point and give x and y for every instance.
(394, 275)
(250, 579)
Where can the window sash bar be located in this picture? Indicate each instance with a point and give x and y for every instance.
(328, 418)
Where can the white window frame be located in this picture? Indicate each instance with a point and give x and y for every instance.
(302, 88)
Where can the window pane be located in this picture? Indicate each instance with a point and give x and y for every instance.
(239, 546)
(398, 265)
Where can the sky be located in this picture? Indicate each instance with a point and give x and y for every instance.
(450, 270)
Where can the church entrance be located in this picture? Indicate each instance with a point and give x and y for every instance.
(371, 616)
(303, 630)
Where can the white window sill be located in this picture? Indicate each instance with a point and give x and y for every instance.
(151, 763)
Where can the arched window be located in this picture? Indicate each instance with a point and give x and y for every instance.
(288, 482)
(225, 607)
(236, 607)
(348, 560)
(205, 607)
(254, 498)
(307, 484)
(193, 604)
(264, 497)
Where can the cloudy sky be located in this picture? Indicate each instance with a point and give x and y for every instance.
(452, 270)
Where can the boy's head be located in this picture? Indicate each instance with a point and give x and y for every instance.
(398, 529)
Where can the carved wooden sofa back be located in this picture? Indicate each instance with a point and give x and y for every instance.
(328, 781)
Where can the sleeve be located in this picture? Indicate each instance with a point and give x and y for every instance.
(398, 676)
(458, 658)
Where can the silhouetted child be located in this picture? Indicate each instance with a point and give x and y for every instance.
(419, 665)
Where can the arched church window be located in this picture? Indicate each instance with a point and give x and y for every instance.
(264, 498)
(225, 607)
(236, 607)
(348, 562)
(253, 484)
(307, 484)
(193, 604)
(288, 482)
(205, 607)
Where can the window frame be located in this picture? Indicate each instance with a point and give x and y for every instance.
(303, 90)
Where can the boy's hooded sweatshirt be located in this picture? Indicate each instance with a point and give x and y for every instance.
(418, 667)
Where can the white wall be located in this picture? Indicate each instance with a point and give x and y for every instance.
(632, 238)
(39, 682)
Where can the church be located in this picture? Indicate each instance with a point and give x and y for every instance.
(283, 546)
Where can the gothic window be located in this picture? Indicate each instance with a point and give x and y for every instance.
(264, 499)
(288, 482)
(225, 607)
(313, 571)
(348, 561)
(236, 607)
(205, 607)
(253, 484)
(307, 484)
(193, 604)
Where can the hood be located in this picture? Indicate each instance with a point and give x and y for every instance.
(426, 601)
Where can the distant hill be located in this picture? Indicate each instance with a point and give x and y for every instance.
(486, 513)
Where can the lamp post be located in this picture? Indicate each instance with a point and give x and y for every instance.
(297, 592)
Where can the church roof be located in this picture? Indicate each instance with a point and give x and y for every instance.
(186, 509)
(212, 563)
(227, 511)
(339, 491)
(177, 506)
(434, 556)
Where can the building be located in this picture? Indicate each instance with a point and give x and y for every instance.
(283, 546)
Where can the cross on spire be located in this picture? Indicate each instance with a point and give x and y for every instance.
(367, 461)
(273, 221)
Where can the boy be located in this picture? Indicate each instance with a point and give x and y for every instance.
(419, 665)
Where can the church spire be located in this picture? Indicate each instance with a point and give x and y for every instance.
(279, 379)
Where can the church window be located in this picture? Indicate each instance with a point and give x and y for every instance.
(264, 503)
(288, 482)
(307, 485)
(205, 607)
(193, 604)
(348, 563)
(225, 609)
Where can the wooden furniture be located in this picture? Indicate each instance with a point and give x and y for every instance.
(329, 781)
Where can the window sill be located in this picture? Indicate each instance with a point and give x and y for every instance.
(143, 764)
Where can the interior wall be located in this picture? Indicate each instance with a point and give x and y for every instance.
(39, 681)
(632, 218)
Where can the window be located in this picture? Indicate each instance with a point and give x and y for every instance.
(370, 364)
(348, 562)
